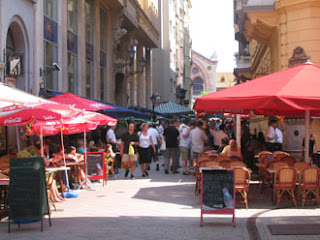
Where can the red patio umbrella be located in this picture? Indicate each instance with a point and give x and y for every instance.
(20, 115)
(286, 93)
(292, 92)
(80, 102)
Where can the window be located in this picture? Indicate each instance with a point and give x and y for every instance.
(103, 29)
(72, 45)
(50, 9)
(72, 72)
(89, 21)
(103, 52)
(197, 86)
(50, 33)
(89, 73)
(102, 83)
(72, 15)
(195, 70)
(222, 79)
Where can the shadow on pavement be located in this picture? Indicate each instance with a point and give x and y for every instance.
(181, 194)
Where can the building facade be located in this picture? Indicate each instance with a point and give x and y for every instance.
(274, 35)
(172, 60)
(225, 80)
(99, 49)
(203, 74)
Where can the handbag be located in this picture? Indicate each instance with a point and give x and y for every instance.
(131, 150)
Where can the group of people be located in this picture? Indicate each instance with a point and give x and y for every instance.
(185, 140)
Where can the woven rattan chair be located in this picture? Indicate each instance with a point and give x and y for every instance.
(224, 164)
(288, 159)
(278, 155)
(277, 165)
(209, 164)
(284, 181)
(197, 172)
(235, 159)
(299, 166)
(309, 184)
(242, 181)
(237, 164)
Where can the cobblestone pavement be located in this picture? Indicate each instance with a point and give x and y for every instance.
(158, 207)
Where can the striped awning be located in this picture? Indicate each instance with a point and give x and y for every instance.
(171, 108)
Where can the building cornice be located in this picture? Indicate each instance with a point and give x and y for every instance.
(208, 60)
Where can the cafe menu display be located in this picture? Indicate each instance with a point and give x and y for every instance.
(217, 191)
(95, 167)
(28, 200)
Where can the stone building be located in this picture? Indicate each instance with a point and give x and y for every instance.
(203, 74)
(100, 49)
(172, 60)
(225, 80)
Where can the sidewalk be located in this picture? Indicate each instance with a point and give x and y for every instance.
(158, 207)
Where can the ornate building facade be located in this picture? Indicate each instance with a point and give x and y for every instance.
(203, 74)
(100, 49)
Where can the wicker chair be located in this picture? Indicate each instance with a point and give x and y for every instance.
(309, 183)
(237, 164)
(235, 159)
(242, 178)
(224, 164)
(264, 152)
(284, 181)
(209, 164)
(110, 167)
(278, 165)
(288, 159)
(299, 166)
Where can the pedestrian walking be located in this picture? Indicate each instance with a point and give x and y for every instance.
(129, 143)
(185, 145)
(157, 142)
(171, 136)
(198, 137)
(145, 147)
(279, 139)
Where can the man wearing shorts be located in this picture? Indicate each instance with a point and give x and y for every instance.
(185, 145)
(129, 159)
(198, 137)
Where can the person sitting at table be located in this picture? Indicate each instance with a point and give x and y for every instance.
(75, 157)
(81, 148)
(58, 158)
(232, 150)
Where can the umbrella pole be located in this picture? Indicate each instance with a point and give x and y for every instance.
(64, 158)
(41, 141)
(238, 129)
(18, 139)
(307, 135)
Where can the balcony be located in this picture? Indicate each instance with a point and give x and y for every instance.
(243, 60)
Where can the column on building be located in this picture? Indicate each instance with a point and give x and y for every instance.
(148, 89)
(141, 78)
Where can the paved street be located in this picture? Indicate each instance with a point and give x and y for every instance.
(158, 207)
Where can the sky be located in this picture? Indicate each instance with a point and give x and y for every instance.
(212, 30)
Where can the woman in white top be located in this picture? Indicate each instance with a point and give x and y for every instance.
(144, 149)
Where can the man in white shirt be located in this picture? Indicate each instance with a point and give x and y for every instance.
(198, 137)
(156, 141)
(220, 138)
(185, 145)
(279, 139)
(271, 135)
(111, 137)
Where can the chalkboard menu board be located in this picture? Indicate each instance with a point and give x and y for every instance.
(27, 193)
(217, 192)
(95, 165)
(218, 187)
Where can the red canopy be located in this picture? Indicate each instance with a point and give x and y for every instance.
(79, 102)
(20, 115)
(286, 93)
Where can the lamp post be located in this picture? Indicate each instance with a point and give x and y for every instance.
(153, 100)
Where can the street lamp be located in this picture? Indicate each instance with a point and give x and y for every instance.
(153, 100)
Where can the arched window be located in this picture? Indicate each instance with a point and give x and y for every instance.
(222, 79)
(197, 86)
